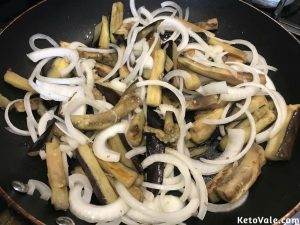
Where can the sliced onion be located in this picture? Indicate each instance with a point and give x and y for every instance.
(117, 65)
(174, 5)
(28, 109)
(41, 36)
(42, 125)
(246, 148)
(213, 88)
(187, 14)
(94, 213)
(42, 154)
(31, 129)
(164, 10)
(164, 187)
(43, 188)
(70, 54)
(97, 50)
(232, 117)
(176, 73)
(10, 125)
(136, 151)
(114, 222)
(87, 66)
(171, 217)
(133, 9)
(77, 178)
(117, 85)
(99, 147)
(253, 49)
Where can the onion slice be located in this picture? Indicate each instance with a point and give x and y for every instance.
(43, 188)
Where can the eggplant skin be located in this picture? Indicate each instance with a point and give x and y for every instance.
(280, 147)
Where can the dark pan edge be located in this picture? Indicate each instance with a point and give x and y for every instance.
(19, 16)
(11, 203)
(267, 15)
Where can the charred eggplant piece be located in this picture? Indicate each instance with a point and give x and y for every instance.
(280, 147)
(146, 32)
(211, 24)
(102, 69)
(134, 132)
(116, 19)
(218, 73)
(101, 186)
(103, 120)
(17, 81)
(233, 185)
(109, 59)
(104, 39)
(57, 176)
(154, 172)
(110, 95)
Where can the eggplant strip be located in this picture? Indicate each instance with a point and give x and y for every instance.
(134, 133)
(57, 65)
(263, 117)
(211, 24)
(57, 176)
(101, 186)
(104, 39)
(123, 29)
(191, 26)
(200, 131)
(122, 173)
(3, 101)
(103, 120)
(102, 69)
(17, 81)
(218, 73)
(109, 59)
(280, 147)
(234, 185)
(228, 48)
(117, 14)
(34, 103)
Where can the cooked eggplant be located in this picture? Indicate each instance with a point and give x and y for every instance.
(109, 59)
(168, 64)
(218, 73)
(191, 26)
(97, 94)
(104, 39)
(137, 193)
(200, 131)
(235, 183)
(3, 101)
(263, 117)
(34, 103)
(134, 132)
(148, 31)
(117, 170)
(102, 69)
(57, 176)
(172, 52)
(228, 48)
(116, 20)
(103, 120)
(17, 81)
(162, 135)
(57, 65)
(123, 30)
(280, 147)
(101, 186)
(210, 24)
(153, 97)
(110, 95)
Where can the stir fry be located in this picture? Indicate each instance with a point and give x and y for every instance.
(158, 118)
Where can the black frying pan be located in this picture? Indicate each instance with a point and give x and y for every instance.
(278, 188)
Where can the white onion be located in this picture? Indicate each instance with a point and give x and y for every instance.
(10, 125)
(28, 109)
(41, 36)
(117, 85)
(43, 188)
(87, 66)
(117, 65)
(136, 151)
(232, 117)
(31, 129)
(99, 147)
(94, 213)
(42, 154)
(187, 14)
(176, 73)
(213, 88)
(171, 217)
(143, 11)
(253, 49)
(97, 50)
(114, 222)
(133, 8)
(174, 5)
(42, 125)
(70, 54)
(165, 187)
(242, 152)
(164, 10)
(81, 179)
(227, 207)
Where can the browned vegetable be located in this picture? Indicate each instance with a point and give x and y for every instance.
(218, 73)
(3, 101)
(148, 30)
(168, 64)
(200, 131)
(104, 39)
(280, 147)
(134, 132)
(162, 135)
(101, 186)
(115, 143)
(170, 127)
(122, 173)
(109, 59)
(197, 151)
(137, 193)
(116, 20)
(57, 65)
(57, 176)
(103, 120)
(263, 117)
(17, 81)
(102, 69)
(232, 182)
(124, 29)
(211, 24)
(154, 92)
(34, 103)
(191, 26)
(228, 48)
